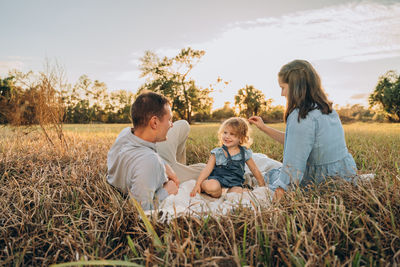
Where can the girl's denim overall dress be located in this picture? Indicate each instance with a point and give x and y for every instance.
(231, 174)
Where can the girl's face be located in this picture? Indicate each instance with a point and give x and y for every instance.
(284, 87)
(229, 137)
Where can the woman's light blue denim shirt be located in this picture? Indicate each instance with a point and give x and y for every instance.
(314, 149)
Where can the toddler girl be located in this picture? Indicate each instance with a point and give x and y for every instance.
(225, 167)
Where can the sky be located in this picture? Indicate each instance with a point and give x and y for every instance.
(350, 43)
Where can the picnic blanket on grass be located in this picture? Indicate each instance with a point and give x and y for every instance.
(201, 205)
(182, 204)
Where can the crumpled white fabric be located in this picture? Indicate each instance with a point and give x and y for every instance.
(202, 205)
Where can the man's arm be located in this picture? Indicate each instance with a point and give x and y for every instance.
(171, 174)
(149, 184)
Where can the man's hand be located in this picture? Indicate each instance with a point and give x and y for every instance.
(279, 193)
(171, 187)
(171, 174)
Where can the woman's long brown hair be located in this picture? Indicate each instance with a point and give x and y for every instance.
(305, 89)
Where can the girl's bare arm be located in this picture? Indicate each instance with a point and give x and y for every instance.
(256, 172)
(204, 174)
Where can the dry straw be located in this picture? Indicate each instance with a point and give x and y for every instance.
(56, 207)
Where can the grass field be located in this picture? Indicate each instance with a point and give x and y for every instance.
(56, 206)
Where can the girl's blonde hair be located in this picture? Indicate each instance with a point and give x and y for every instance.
(305, 89)
(241, 128)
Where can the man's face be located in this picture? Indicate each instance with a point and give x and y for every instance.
(165, 123)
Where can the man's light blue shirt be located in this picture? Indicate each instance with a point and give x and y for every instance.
(134, 166)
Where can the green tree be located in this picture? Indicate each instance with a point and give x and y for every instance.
(8, 93)
(87, 101)
(118, 106)
(99, 97)
(35, 99)
(387, 95)
(251, 101)
(223, 113)
(170, 77)
(355, 112)
(45, 98)
(77, 102)
(16, 99)
(273, 114)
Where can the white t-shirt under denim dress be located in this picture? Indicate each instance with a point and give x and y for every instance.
(314, 149)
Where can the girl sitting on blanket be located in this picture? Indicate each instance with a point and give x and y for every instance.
(225, 167)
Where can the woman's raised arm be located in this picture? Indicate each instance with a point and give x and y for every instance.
(271, 132)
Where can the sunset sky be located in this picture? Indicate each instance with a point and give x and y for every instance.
(351, 43)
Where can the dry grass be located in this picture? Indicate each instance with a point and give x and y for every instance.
(57, 207)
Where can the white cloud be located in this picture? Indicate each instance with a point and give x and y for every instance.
(371, 56)
(135, 62)
(360, 96)
(135, 58)
(253, 52)
(128, 80)
(167, 52)
(129, 76)
(329, 33)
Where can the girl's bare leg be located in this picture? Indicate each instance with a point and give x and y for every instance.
(212, 188)
(235, 189)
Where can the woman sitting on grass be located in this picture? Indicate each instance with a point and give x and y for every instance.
(225, 167)
(314, 144)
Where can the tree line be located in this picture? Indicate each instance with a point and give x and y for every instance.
(40, 98)
(89, 101)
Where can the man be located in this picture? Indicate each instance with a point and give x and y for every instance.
(133, 162)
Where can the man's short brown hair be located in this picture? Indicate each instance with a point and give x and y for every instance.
(147, 105)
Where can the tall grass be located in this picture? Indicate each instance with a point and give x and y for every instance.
(56, 206)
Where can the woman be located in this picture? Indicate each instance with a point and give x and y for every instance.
(314, 144)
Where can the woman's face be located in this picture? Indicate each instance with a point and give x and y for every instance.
(284, 87)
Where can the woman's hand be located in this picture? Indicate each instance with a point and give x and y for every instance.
(279, 193)
(261, 182)
(195, 190)
(274, 134)
(257, 121)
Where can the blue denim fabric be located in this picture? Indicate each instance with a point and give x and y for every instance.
(221, 159)
(315, 149)
(232, 173)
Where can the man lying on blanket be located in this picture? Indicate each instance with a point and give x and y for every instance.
(148, 160)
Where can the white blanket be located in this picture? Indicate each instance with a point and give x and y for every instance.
(202, 205)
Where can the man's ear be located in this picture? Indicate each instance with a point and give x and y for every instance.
(153, 122)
